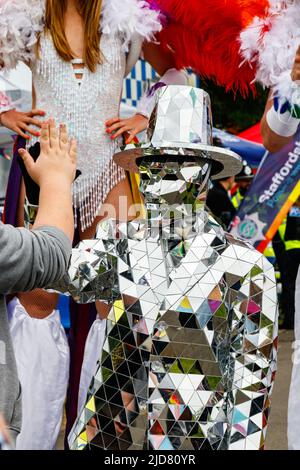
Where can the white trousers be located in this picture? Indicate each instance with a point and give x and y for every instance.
(43, 356)
(294, 396)
(92, 351)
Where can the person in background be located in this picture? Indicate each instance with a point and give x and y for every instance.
(36, 258)
(279, 124)
(219, 201)
(291, 240)
(276, 249)
(243, 181)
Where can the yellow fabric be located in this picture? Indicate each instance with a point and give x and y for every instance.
(289, 244)
(282, 229)
(134, 180)
(269, 251)
(237, 199)
(292, 245)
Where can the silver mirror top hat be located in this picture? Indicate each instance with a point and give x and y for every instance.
(181, 124)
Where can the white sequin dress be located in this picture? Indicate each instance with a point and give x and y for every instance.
(85, 104)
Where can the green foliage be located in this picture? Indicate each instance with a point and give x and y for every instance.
(234, 113)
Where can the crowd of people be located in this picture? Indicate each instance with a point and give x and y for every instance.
(76, 92)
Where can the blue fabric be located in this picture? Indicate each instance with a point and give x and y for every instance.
(64, 309)
(249, 151)
(284, 107)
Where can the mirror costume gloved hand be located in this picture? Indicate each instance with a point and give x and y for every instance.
(190, 352)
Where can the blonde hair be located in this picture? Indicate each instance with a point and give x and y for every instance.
(90, 12)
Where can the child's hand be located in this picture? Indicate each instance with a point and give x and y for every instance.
(117, 126)
(57, 160)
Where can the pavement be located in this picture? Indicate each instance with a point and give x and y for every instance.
(277, 429)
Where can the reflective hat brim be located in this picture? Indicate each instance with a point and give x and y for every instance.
(228, 163)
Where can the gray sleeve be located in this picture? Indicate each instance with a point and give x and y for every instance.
(30, 259)
(15, 424)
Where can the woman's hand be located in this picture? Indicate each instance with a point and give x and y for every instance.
(296, 68)
(132, 126)
(20, 123)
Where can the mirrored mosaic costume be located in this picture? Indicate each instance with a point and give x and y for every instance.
(190, 352)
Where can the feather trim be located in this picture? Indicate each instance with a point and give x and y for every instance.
(22, 20)
(20, 23)
(251, 37)
(204, 36)
(271, 45)
(128, 18)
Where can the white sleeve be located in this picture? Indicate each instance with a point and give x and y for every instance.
(283, 124)
(20, 24)
(134, 53)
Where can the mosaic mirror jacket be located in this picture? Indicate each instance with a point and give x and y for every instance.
(189, 357)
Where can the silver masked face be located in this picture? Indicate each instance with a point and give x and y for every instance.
(170, 180)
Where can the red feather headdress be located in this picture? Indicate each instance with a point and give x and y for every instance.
(234, 42)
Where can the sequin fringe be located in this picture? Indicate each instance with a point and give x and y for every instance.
(53, 70)
(84, 109)
(91, 192)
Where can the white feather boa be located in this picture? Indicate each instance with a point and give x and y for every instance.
(128, 18)
(273, 52)
(22, 20)
(20, 23)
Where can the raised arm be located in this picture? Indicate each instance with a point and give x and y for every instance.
(280, 120)
(164, 64)
(35, 259)
(161, 60)
(273, 124)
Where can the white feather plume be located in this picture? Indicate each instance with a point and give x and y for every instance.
(22, 20)
(273, 52)
(128, 18)
(20, 23)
